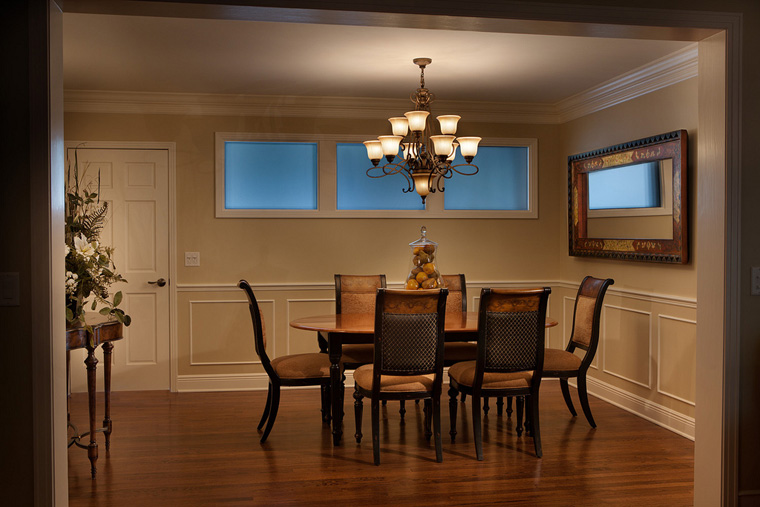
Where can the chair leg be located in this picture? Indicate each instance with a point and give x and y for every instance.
(375, 430)
(509, 406)
(535, 428)
(583, 395)
(428, 408)
(266, 408)
(477, 426)
(453, 412)
(486, 408)
(385, 402)
(499, 405)
(358, 412)
(436, 408)
(402, 409)
(464, 397)
(566, 395)
(272, 410)
(520, 405)
(326, 414)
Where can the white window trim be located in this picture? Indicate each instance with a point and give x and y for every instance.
(326, 181)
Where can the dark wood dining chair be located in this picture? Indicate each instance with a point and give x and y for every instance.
(292, 370)
(356, 294)
(566, 364)
(408, 359)
(511, 338)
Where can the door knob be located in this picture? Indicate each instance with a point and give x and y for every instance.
(160, 282)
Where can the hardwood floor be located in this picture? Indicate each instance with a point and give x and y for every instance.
(202, 449)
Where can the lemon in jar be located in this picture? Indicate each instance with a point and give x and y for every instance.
(412, 284)
(421, 277)
(428, 268)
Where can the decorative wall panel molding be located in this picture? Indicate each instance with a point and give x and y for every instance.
(679, 369)
(607, 345)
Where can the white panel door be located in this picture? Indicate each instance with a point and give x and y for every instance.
(135, 182)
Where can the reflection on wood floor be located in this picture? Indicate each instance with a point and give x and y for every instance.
(203, 449)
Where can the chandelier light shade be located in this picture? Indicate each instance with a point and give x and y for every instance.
(426, 159)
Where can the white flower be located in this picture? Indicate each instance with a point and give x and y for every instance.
(84, 248)
(68, 249)
(71, 282)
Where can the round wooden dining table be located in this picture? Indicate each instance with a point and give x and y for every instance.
(337, 329)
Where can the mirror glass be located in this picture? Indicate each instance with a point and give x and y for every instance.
(629, 201)
(634, 201)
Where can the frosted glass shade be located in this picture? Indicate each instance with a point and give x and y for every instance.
(442, 145)
(400, 125)
(422, 184)
(374, 149)
(417, 120)
(453, 151)
(390, 145)
(448, 123)
(468, 146)
(409, 150)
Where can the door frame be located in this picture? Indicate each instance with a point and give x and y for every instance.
(725, 316)
(171, 149)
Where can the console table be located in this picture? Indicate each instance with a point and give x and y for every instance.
(103, 333)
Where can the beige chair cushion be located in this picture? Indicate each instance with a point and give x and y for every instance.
(584, 320)
(460, 351)
(358, 353)
(561, 360)
(393, 383)
(302, 366)
(464, 373)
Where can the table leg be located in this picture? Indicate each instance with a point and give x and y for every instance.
(92, 448)
(107, 424)
(335, 350)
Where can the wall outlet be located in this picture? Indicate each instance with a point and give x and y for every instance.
(756, 281)
(192, 259)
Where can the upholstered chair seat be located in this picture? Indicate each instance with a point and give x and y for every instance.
(390, 383)
(464, 374)
(302, 366)
(561, 360)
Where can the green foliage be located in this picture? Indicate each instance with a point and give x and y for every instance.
(90, 270)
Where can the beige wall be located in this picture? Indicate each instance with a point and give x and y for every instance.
(648, 334)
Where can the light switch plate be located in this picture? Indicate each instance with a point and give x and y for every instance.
(192, 259)
(9, 289)
(756, 280)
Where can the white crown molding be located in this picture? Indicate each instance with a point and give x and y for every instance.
(664, 72)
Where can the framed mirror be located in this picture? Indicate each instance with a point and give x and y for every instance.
(629, 201)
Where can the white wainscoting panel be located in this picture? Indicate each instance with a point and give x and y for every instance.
(626, 342)
(677, 358)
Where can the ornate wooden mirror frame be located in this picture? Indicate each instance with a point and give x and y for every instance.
(670, 146)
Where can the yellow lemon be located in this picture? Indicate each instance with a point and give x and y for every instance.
(429, 268)
(412, 284)
(421, 276)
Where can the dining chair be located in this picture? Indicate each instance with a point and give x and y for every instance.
(511, 337)
(356, 294)
(454, 350)
(292, 370)
(565, 364)
(408, 359)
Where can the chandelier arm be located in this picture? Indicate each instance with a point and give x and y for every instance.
(465, 173)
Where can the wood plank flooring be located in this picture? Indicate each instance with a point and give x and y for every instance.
(203, 449)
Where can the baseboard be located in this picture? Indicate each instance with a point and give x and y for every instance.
(662, 416)
(235, 382)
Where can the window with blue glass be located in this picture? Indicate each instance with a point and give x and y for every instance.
(500, 184)
(270, 175)
(633, 186)
(357, 191)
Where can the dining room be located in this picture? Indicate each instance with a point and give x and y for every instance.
(646, 361)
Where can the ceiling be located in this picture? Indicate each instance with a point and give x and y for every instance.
(151, 54)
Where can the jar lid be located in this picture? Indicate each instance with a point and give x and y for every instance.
(422, 241)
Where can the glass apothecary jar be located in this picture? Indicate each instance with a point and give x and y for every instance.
(424, 273)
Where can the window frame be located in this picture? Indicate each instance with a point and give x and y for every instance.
(327, 184)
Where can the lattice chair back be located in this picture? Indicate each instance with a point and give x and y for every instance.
(356, 293)
(511, 330)
(409, 332)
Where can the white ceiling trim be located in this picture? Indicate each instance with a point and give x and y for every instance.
(661, 73)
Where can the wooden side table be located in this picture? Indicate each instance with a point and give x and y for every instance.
(79, 337)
